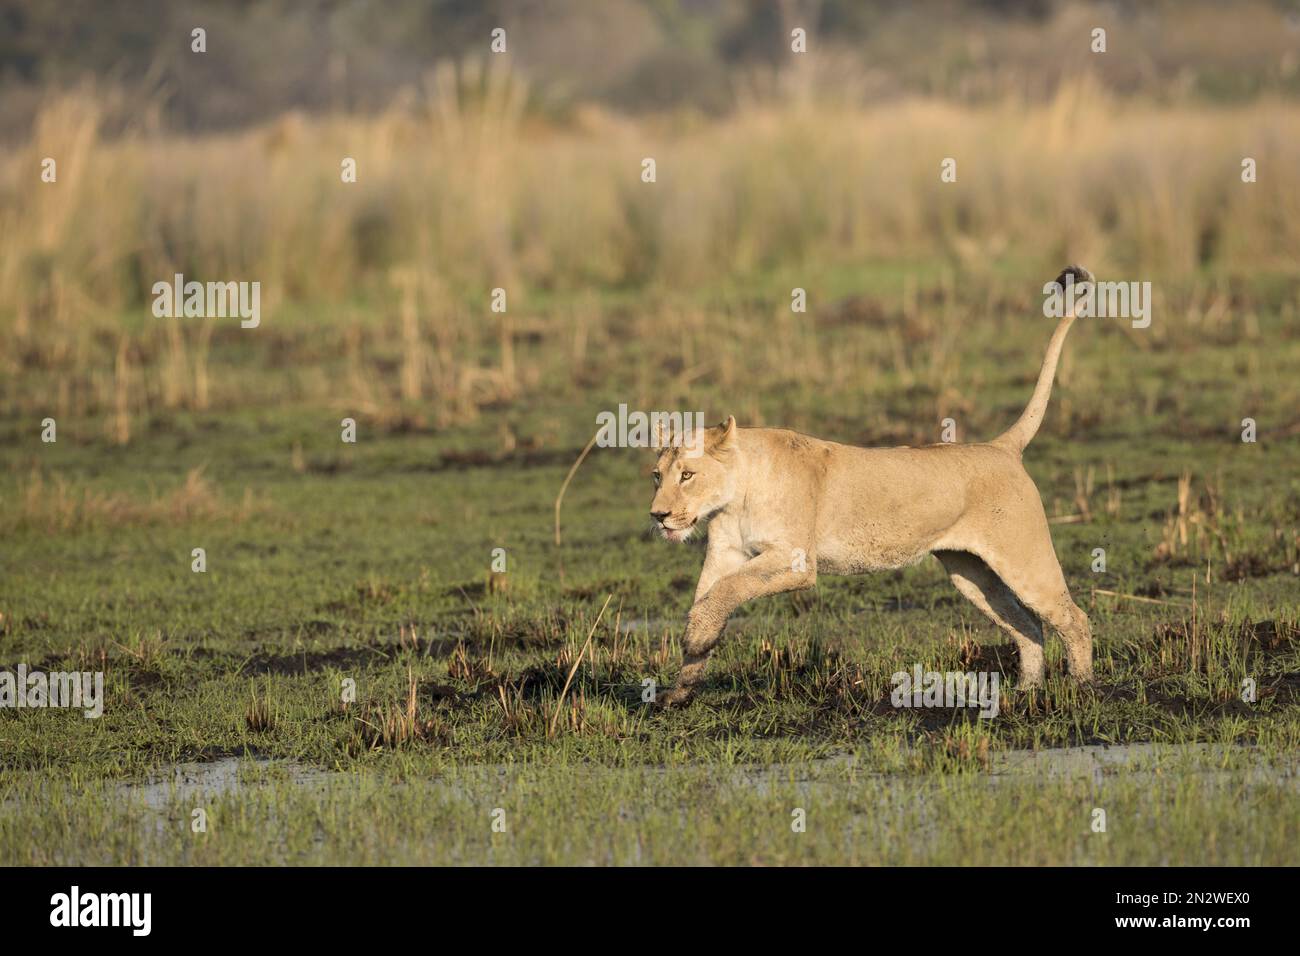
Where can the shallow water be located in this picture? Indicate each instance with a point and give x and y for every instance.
(187, 781)
(223, 776)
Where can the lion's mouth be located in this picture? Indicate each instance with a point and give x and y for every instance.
(678, 534)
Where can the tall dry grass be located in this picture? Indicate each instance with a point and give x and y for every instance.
(457, 185)
(459, 191)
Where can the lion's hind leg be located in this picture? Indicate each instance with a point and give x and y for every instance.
(977, 582)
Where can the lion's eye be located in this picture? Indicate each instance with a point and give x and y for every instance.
(687, 475)
(657, 477)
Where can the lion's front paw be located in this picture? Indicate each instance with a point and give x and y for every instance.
(673, 697)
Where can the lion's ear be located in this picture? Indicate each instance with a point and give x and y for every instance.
(725, 438)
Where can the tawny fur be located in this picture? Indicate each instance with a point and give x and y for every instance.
(782, 507)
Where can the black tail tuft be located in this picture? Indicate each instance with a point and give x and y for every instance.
(1078, 274)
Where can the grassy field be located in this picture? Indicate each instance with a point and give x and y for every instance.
(370, 562)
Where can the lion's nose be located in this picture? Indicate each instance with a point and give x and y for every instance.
(660, 515)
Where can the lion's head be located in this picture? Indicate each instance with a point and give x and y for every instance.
(694, 479)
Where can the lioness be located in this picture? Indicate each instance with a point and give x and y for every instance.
(782, 507)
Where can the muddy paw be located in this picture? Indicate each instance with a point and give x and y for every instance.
(673, 697)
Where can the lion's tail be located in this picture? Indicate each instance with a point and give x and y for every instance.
(1026, 427)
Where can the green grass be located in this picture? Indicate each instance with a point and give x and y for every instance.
(371, 563)
(579, 814)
